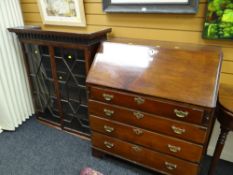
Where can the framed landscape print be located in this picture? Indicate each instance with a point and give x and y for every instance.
(62, 12)
(219, 20)
(150, 6)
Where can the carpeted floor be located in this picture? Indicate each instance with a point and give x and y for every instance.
(35, 149)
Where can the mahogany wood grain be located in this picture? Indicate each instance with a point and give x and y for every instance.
(194, 133)
(37, 30)
(56, 84)
(144, 93)
(141, 155)
(175, 72)
(150, 105)
(162, 143)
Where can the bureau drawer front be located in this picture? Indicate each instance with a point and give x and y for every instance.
(134, 153)
(162, 143)
(147, 105)
(191, 132)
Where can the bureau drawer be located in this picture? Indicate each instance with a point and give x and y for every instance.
(147, 104)
(143, 156)
(175, 128)
(158, 142)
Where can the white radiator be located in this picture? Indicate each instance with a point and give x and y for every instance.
(15, 99)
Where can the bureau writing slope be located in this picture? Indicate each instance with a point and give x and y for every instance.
(57, 64)
(152, 103)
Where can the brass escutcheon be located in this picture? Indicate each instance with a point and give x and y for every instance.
(108, 97)
(180, 114)
(178, 130)
(137, 131)
(139, 100)
(108, 128)
(138, 115)
(136, 148)
(108, 112)
(173, 148)
(170, 166)
(108, 144)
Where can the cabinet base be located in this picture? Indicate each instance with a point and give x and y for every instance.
(57, 126)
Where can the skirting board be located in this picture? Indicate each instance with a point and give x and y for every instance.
(227, 153)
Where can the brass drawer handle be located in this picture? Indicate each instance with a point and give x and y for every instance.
(139, 100)
(181, 114)
(136, 148)
(170, 166)
(108, 144)
(138, 115)
(178, 130)
(108, 128)
(108, 97)
(137, 131)
(173, 148)
(108, 112)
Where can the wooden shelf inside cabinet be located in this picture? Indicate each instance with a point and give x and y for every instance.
(57, 64)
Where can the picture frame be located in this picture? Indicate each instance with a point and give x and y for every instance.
(219, 20)
(62, 12)
(151, 6)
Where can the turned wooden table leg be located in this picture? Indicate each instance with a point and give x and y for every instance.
(218, 150)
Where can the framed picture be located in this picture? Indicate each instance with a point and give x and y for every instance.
(150, 6)
(219, 20)
(62, 12)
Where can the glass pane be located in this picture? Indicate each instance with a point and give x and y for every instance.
(71, 76)
(42, 82)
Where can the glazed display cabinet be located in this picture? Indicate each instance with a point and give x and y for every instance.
(57, 65)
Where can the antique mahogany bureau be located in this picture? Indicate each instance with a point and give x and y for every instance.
(152, 103)
(57, 63)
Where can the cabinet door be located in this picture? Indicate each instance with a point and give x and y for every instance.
(71, 73)
(38, 59)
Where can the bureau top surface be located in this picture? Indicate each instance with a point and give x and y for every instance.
(173, 71)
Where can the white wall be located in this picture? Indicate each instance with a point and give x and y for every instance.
(227, 153)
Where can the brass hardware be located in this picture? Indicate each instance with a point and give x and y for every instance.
(137, 131)
(178, 130)
(180, 114)
(108, 97)
(69, 57)
(170, 166)
(139, 100)
(136, 148)
(108, 112)
(60, 77)
(36, 52)
(108, 128)
(173, 148)
(138, 115)
(108, 144)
